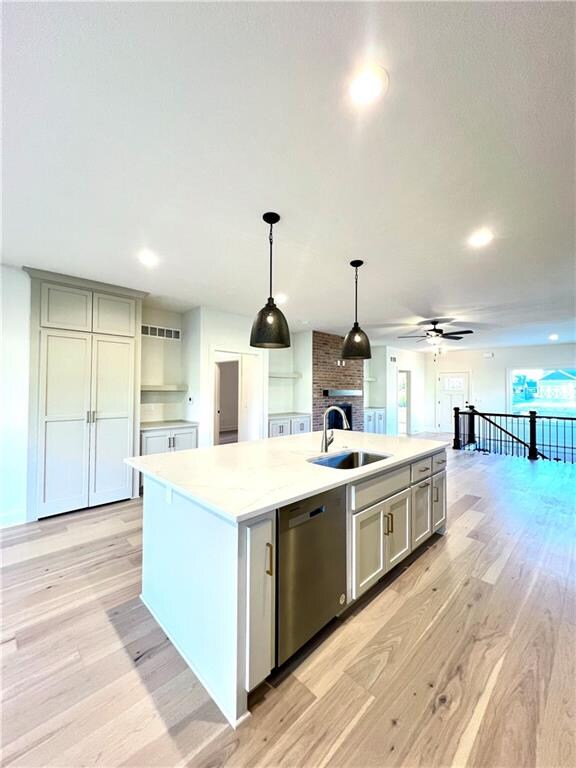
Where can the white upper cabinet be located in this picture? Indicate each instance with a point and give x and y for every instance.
(114, 314)
(79, 309)
(62, 306)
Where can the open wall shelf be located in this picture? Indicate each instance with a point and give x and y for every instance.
(163, 388)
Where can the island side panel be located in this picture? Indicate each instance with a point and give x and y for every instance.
(190, 584)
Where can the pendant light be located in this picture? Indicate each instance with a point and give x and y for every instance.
(356, 344)
(270, 329)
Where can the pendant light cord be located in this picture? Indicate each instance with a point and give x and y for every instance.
(271, 241)
(356, 295)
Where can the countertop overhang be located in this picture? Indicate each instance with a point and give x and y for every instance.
(240, 481)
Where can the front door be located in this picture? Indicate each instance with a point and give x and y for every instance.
(451, 392)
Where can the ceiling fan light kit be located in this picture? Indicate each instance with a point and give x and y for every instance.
(270, 328)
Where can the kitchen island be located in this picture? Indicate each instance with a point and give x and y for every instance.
(209, 539)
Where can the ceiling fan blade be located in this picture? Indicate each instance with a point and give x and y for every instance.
(437, 320)
(452, 337)
(460, 333)
(410, 337)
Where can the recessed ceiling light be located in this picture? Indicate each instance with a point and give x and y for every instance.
(281, 298)
(369, 84)
(481, 238)
(148, 258)
(553, 337)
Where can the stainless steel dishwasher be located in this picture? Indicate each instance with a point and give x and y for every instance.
(311, 568)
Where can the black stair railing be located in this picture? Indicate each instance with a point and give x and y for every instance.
(531, 435)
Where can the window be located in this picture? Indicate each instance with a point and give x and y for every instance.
(548, 391)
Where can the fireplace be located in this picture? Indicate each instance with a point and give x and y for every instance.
(335, 420)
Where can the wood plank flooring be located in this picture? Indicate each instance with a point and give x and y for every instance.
(464, 656)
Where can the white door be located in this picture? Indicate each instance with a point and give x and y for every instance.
(398, 528)
(439, 501)
(64, 412)
(451, 392)
(184, 439)
(251, 398)
(421, 513)
(156, 441)
(259, 602)
(112, 419)
(368, 563)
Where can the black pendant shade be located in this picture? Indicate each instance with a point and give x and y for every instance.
(356, 345)
(270, 329)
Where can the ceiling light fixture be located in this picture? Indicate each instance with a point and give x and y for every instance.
(356, 345)
(553, 337)
(369, 84)
(148, 258)
(270, 329)
(481, 238)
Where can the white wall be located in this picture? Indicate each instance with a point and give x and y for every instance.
(302, 345)
(14, 383)
(207, 331)
(419, 416)
(376, 368)
(489, 376)
(281, 391)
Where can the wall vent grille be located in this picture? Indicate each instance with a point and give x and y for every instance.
(172, 334)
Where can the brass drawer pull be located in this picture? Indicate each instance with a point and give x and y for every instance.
(423, 485)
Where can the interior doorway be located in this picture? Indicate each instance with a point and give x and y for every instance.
(403, 402)
(237, 397)
(452, 391)
(226, 402)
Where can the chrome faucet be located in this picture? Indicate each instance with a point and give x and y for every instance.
(328, 439)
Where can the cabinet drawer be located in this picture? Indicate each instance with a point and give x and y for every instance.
(439, 462)
(421, 469)
(378, 488)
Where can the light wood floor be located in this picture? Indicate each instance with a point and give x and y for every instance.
(465, 659)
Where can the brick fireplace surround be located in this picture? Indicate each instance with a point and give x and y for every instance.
(327, 374)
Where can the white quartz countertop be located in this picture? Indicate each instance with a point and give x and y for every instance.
(287, 415)
(240, 481)
(169, 424)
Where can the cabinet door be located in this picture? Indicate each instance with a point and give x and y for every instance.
(368, 421)
(63, 429)
(184, 439)
(112, 419)
(64, 307)
(114, 314)
(439, 501)
(398, 528)
(260, 569)
(300, 425)
(421, 513)
(380, 423)
(368, 563)
(155, 441)
(278, 427)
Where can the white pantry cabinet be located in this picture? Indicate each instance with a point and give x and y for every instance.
(84, 387)
(85, 420)
(260, 576)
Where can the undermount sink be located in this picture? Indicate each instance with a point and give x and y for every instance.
(348, 459)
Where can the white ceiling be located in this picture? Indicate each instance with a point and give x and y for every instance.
(175, 126)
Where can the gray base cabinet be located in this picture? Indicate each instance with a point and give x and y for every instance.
(391, 515)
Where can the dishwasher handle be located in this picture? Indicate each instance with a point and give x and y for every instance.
(305, 517)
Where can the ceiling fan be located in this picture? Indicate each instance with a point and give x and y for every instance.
(435, 334)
